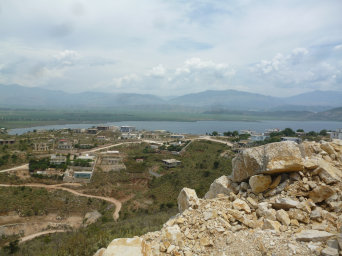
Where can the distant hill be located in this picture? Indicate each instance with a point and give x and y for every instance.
(317, 98)
(231, 100)
(332, 114)
(20, 96)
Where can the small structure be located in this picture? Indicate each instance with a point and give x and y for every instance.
(86, 157)
(6, 142)
(102, 128)
(110, 161)
(295, 139)
(336, 134)
(92, 131)
(177, 136)
(127, 129)
(58, 159)
(169, 163)
(64, 145)
(258, 137)
(125, 136)
(41, 147)
(139, 160)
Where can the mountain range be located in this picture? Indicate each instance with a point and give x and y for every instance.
(16, 96)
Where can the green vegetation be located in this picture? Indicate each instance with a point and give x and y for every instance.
(27, 201)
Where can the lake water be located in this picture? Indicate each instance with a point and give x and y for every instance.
(201, 127)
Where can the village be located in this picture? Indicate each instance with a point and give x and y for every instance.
(72, 155)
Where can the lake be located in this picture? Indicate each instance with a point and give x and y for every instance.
(200, 127)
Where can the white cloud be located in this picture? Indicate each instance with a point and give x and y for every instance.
(82, 45)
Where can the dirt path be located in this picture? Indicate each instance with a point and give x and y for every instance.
(30, 237)
(110, 146)
(114, 201)
(24, 166)
(215, 140)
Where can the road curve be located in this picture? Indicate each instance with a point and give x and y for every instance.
(114, 201)
(32, 236)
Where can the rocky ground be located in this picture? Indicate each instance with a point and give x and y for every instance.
(281, 199)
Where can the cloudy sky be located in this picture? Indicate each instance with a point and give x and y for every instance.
(172, 47)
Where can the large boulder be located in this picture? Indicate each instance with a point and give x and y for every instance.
(328, 173)
(126, 247)
(221, 185)
(272, 158)
(187, 198)
(260, 183)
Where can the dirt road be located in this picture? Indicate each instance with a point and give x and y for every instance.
(114, 201)
(24, 166)
(30, 237)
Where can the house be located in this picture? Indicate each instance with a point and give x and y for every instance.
(41, 147)
(127, 129)
(177, 136)
(336, 134)
(110, 161)
(64, 145)
(258, 137)
(92, 131)
(169, 163)
(86, 157)
(6, 142)
(58, 159)
(125, 136)
(295, 139)
(102, 128)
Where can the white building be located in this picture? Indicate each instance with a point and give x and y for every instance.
(336, 134)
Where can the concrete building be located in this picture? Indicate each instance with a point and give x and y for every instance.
(58, 159)
(257, 137)
(336, 134)
(177, 136)
(64, 145)
(110, 161)
(171, 163)
(92, 131)
(6, 142)
(41, 147)
(127, 129)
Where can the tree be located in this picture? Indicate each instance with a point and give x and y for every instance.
(228, 133)
(235, 133)
(288, 132)
(312, 133)
(300, 130)
(214, 133)
(323, 132)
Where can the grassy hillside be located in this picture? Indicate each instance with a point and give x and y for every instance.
(151, 203)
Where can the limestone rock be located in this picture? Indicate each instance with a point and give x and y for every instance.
(329, 252)
(187, 198)
(328, 148)
(299, 215)
(283, 217)
(285, 203)
(91, 217)
(271, 158)
(321, 193)
(173, 234)
(313, 235)
(275, 182)
(328, 173)
(239, 204)
(259, 183)
(100, 252)
(271, 224)
(127, 247)
(219, 186)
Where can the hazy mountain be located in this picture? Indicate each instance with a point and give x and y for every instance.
(20, 96)
(230, 99)
(317, 98)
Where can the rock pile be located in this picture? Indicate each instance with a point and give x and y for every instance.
(281, 199)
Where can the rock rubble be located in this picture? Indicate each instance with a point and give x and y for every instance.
(281, 199)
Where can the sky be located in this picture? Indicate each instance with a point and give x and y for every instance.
(172, 47)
